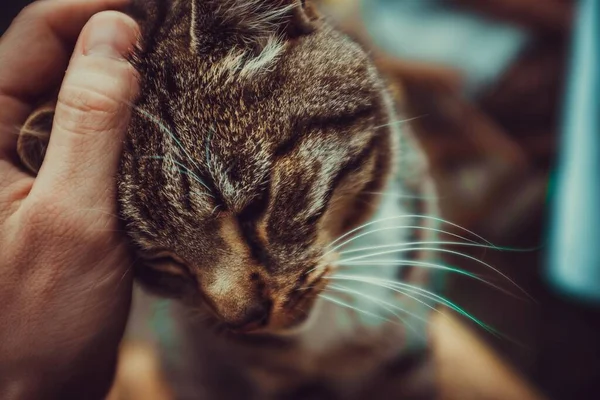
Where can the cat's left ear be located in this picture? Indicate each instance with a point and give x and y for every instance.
(302, 17)
(294, 17)
(34, 137)
(251, 21)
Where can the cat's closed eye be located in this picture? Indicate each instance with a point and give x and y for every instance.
(165, 261)
(166, 274)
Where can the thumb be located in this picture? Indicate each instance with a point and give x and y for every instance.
(92, 114)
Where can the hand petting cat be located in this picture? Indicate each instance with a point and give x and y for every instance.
(65, 281)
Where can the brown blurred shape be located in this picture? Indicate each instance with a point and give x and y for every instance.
(139, 375)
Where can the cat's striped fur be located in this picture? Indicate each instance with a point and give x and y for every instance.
(261, 135)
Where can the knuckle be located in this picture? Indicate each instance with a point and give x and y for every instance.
(12, 195)
(34, 15)
(31, 12)
(84, 110)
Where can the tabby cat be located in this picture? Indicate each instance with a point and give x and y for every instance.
(266, 186)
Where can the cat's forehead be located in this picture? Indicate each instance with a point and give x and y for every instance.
(243, 109)
(236, 112)
(317, 75)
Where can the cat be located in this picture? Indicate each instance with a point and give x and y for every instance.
(264, 168)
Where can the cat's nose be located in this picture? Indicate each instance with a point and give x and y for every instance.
(253, 318)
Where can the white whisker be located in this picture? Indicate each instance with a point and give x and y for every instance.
(388, 306)
(378, 301)
(404, 196)
(422, 264)
(343, 304)
(434, 249)
(404, 244)
(394, 285)
(441, 220)
(444, 243)
(166, 130)
(185, 170)
(389, 228)
(400, 122)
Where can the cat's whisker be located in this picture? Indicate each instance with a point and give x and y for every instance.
(428, 217)
(318, 266)
(127, 271)
(166, 130)
(302, 289)
(401, 122)
(443, 243)
(186, 170)
(447, 303)
(353, 308)
(381, 302)
(402, 288)
(447, 251)
(391, 308)
(190, 173)
(404, 196)
(422, 264)
(389, 228)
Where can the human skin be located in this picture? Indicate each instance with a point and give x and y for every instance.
(65, 270)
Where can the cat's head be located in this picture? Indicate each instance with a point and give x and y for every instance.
(260, 136)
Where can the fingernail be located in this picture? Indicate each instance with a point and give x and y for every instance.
(109, 37)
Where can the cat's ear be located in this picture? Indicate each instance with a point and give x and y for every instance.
(302, 16)
(250, 20)
(34, 137)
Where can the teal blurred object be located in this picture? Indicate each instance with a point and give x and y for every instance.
(574, 248)
(432, 31)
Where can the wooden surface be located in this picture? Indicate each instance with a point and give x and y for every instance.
(469, 370)
(138, 375)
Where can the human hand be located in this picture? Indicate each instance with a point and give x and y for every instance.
(65, 279)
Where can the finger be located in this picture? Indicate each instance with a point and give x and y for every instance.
(48, 31)
(92, 115)
(34, 53)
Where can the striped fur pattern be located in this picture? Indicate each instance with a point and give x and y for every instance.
(244, 181)
(261, 136)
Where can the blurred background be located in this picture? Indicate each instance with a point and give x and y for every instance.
(484, 86)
